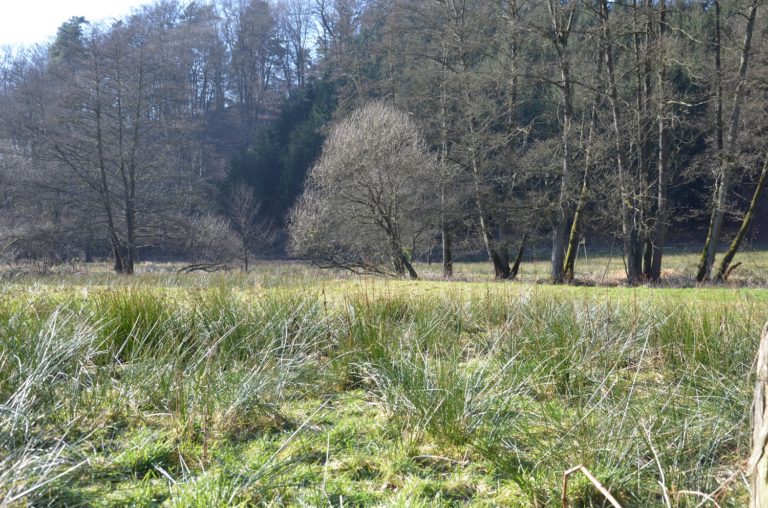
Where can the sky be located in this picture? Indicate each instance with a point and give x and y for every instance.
(33, 21)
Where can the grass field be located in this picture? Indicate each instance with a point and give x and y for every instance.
(603, 266)
(290, 386)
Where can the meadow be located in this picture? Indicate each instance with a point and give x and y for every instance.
(292, 386)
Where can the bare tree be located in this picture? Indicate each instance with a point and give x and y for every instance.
(250, 36)
(251, 231)
(562, 15)
(480, 119)
(629, 221)
(725, 267)
(662, 199)
(212, 244)
(723, 188)
(297, 25)
(361, 206)
(577, 224)
(102, 129)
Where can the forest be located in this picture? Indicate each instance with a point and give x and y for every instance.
(370, 135)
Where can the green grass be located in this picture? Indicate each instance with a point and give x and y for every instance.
(290, 386)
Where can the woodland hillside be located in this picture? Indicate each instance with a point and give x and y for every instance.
(195, 131)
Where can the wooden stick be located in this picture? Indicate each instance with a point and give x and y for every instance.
(757, 466)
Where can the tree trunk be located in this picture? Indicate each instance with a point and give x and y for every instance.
(127, 166)
(117, 247)
(758, 460)
(647, 259)
(519, 258)
(644, 97)
(117, 253)
(718, 82)
(444, 228)
(400, 261)
(660, 226)
(408, 266)
(662, 211)
(500, 260)
(629, 228)
(575, 234)
(130, 248)
(643, 41)
(722, 271)
(723, 189)
(496, 256)
(447, 252)
(103, 185)
(245, 254)
(701, 272)
(559, 237)
(562, 29)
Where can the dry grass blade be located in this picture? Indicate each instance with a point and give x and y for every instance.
(599, 486)
(706, 497)
(19, 496)
(662, 479)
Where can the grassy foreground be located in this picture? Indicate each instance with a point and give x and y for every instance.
(285, 387)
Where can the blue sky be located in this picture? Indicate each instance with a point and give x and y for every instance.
(33, 21)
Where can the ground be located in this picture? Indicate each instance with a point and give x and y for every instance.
(292, 386)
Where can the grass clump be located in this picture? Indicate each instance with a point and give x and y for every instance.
(221, 391)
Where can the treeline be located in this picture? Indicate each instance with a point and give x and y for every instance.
(190, 130)
(149, 135)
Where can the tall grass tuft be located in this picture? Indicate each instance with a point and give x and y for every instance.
(45, 367)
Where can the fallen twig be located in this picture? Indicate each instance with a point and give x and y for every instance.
(203, 267)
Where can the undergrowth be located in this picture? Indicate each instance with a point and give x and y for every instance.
(224, 395)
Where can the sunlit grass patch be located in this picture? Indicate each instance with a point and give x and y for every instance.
(256, 389)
